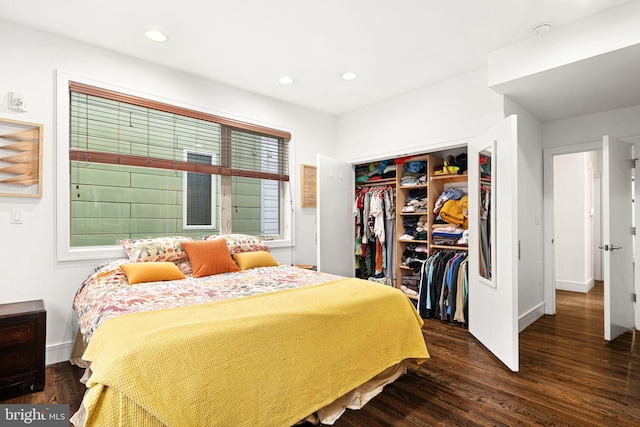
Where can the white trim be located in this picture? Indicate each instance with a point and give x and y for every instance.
(57, 353)
(573, 286)
(416, 151)
(64, 251)
(530, 317)
(548, 209)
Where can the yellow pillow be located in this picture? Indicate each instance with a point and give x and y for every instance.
(209, 257)
(151, 272)
(247, 260)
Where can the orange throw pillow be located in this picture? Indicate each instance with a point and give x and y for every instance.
(247, 260)
(209, 257)
(143, 272)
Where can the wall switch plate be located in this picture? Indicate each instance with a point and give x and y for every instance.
(16, 216)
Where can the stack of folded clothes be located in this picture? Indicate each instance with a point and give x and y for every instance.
(416, 247)
(413, 259)
(375, 171)
(415, 228)
(410, 284)
(452, 206)
(446, 234)
(414, 173)
(416, 201)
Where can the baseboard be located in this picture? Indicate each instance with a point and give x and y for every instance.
(58, 353)
(531, 316)
(567, 285)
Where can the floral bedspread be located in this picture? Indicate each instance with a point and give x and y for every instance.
(106, 293)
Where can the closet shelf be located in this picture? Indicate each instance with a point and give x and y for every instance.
(376, 182)
(455, 248)
(413, 213)
(413, 241)
(451, 177)
(411, 187)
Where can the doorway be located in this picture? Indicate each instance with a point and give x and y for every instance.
(577, 220)
(617, 193)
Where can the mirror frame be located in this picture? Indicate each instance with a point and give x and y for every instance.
(492, 153)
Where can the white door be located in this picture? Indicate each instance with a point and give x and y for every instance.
(335, 232)
(617, 237)
(493, 302)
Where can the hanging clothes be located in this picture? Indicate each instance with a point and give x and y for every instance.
(443, 290)
(374, 212)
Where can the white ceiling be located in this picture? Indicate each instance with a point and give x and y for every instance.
(394, 46)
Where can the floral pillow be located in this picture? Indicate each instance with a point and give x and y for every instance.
(238, 243)
(158, 249)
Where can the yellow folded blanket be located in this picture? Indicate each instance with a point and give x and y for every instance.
(266, 360)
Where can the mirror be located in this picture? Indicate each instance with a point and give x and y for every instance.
(486, 215)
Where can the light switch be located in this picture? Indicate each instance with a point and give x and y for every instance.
(16, 216)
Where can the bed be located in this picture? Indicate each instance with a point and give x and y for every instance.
(262, 344)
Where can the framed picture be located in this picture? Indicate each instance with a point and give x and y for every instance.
(308, 186)
(20, 158)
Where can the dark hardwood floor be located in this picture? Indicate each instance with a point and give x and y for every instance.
(569, 375)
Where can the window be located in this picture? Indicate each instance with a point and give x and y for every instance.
(139, 168)
(198, 194)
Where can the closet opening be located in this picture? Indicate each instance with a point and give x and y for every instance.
(411, 229)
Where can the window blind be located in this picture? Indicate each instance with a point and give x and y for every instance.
(114, 128)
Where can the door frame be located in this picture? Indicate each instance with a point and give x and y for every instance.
(548, 213)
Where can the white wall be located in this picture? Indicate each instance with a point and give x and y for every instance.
(573, 221)
(530, 267)
(29, 60)
(593, 160)
(424, 120)
(620, 123)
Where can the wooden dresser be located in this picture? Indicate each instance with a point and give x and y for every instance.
(22, 342)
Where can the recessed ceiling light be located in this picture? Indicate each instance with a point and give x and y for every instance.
(285, 80)
(156, 36)
(542, 28)
(349, 75)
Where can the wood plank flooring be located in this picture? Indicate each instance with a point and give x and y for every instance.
(569, 375)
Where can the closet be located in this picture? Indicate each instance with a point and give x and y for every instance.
(425, 216)
(493, 316)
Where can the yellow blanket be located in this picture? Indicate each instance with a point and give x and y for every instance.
(266, 360)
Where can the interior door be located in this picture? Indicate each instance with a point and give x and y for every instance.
(493, 298)
(335, 220)
(617, 237)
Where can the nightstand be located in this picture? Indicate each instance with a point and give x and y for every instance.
(22, 341)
